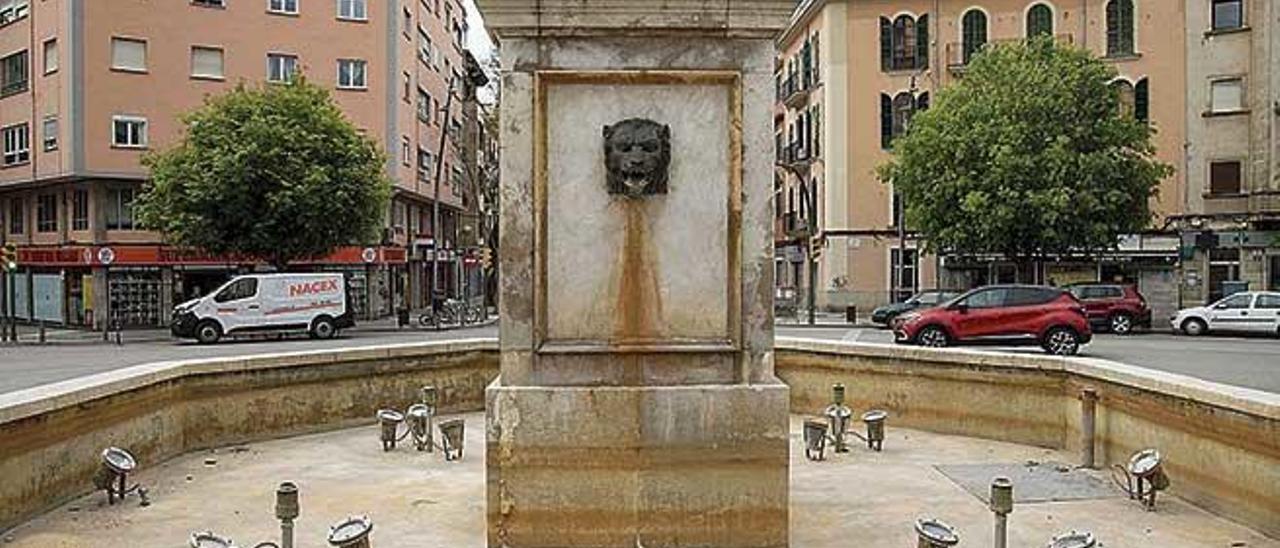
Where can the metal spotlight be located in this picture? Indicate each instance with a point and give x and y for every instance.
(815, 439)
(390, 420)
(287, 510)
(420, 425)
(451, 431)
(838, 418)
(430, 398)
(874, 420)
(113, 473)
(352, 532)
(1142, 478)
(933, 533)
(1074, 540)
(1002, 506)
(207, 539)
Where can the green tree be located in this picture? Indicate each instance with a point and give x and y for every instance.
(273, 172)
(1027, 155)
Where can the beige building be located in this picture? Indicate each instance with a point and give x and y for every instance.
(90, 86)
(1231, 225)
(871, 63)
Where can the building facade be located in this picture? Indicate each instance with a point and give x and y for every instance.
(879, 61)
(89, 87)
(1231, 226)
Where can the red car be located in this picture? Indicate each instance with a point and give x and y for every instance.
(1117, 308)
(1003, 314)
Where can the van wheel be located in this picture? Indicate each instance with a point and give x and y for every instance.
(208, 332)
(323, 328)
(1061, 341)
(1121, 324)
(1194, 327)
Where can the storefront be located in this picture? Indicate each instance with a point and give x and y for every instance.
(138, 285)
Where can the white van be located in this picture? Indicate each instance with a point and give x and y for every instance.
(316, 303)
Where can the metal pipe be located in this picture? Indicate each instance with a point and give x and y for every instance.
(1001, 506)
(1088, 427)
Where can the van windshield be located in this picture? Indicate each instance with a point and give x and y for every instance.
(239, 289)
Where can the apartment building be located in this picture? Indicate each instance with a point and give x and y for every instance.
(1231, 226)
(90, 86)
(852, 72)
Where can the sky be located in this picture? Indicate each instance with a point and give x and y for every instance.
(478, 43)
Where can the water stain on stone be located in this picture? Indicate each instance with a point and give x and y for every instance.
(639, 303)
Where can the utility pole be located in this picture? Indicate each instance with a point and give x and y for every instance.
(436, 240)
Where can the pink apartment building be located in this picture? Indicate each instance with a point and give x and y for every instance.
(88, 86)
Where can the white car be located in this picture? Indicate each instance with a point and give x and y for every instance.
(315, 303)
(1248, 312)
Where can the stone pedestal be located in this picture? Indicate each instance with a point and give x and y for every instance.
(637, 403)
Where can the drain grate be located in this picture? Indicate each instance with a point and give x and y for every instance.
(1032, 481)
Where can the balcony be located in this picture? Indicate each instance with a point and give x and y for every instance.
(796, 154)
(795, 226)
(794, 91)
(957, 61)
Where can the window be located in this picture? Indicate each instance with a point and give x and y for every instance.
(1226, 95)
(352, 9)
(1039, 21)
(243, 288)
(1224, 178)
(80, 209)
(973, 33)
(896, 113)
(128, 132)
(50, 133)
(209, 3)
(407, 23)
(17, 216)
(406, 152)
(1268, 301)
(1235, 302)
(907, 285)
(351, 74)
(17, 144)
(425, 164)
(128, 54)
(408, 86)
(13, 69)
(987, 298)
(12, 10)
(281, 67)
(1125, 96)
(50, 55)
(424, 106)
(1142, 101)
(283, 6)
(47, 213)
(1119, 28)
(904, 43)
(119, 209)
(1228, 14)
(1029, 296)
(424, 49)
(206, 62)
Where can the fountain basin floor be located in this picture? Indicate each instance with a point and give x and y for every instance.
(417, 500)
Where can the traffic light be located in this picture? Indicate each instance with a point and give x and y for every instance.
(9, 257)
(486, 257)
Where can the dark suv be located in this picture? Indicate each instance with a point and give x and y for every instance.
(1005, 314)
(1117, 308)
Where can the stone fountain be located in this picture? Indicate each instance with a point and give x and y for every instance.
(637, 403)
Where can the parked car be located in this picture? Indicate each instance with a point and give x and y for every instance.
(1118, 308)
(314, 303)
(929, 298)
(1248, 312)
(1007, 314)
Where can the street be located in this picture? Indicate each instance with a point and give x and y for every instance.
(1248, 362)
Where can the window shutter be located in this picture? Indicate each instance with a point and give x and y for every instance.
(922, 42)
(886, 43)
(128, 54)
(886, 121)
(922, 101)
(1142, 101)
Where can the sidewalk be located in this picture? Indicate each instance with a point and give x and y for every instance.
(821, 319)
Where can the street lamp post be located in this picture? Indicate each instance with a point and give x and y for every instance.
(900, 209)
(436, 240)
(808, 233)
